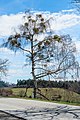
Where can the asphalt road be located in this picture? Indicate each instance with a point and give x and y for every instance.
(39, 110)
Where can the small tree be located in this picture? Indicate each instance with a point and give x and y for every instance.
(3, 67)
(49, 54)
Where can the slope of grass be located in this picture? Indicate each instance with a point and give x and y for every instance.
(65, 95)
(54, 94)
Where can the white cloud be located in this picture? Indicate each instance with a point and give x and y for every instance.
(8, 23)
(61, 20)
(65, 21)
(6, 50)
(7, 53)
(17, 72)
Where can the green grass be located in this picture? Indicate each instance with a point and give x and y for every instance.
(16, 91)
(67, 97)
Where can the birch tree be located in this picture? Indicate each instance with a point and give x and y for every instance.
(49, 54)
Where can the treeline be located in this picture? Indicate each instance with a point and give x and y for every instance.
(3, 84)
(69, 85)
(6, 84)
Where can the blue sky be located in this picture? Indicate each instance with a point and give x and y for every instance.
(11, 13)
(15, 6)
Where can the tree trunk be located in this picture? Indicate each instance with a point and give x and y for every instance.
(33, 70)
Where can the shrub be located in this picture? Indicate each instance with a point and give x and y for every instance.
(6, 92)
(21, 93)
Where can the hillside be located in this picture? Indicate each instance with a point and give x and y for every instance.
(54, 94)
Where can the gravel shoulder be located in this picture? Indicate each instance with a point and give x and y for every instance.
(22, 104)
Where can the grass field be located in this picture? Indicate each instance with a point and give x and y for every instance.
(53, 94)
(17, 91)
